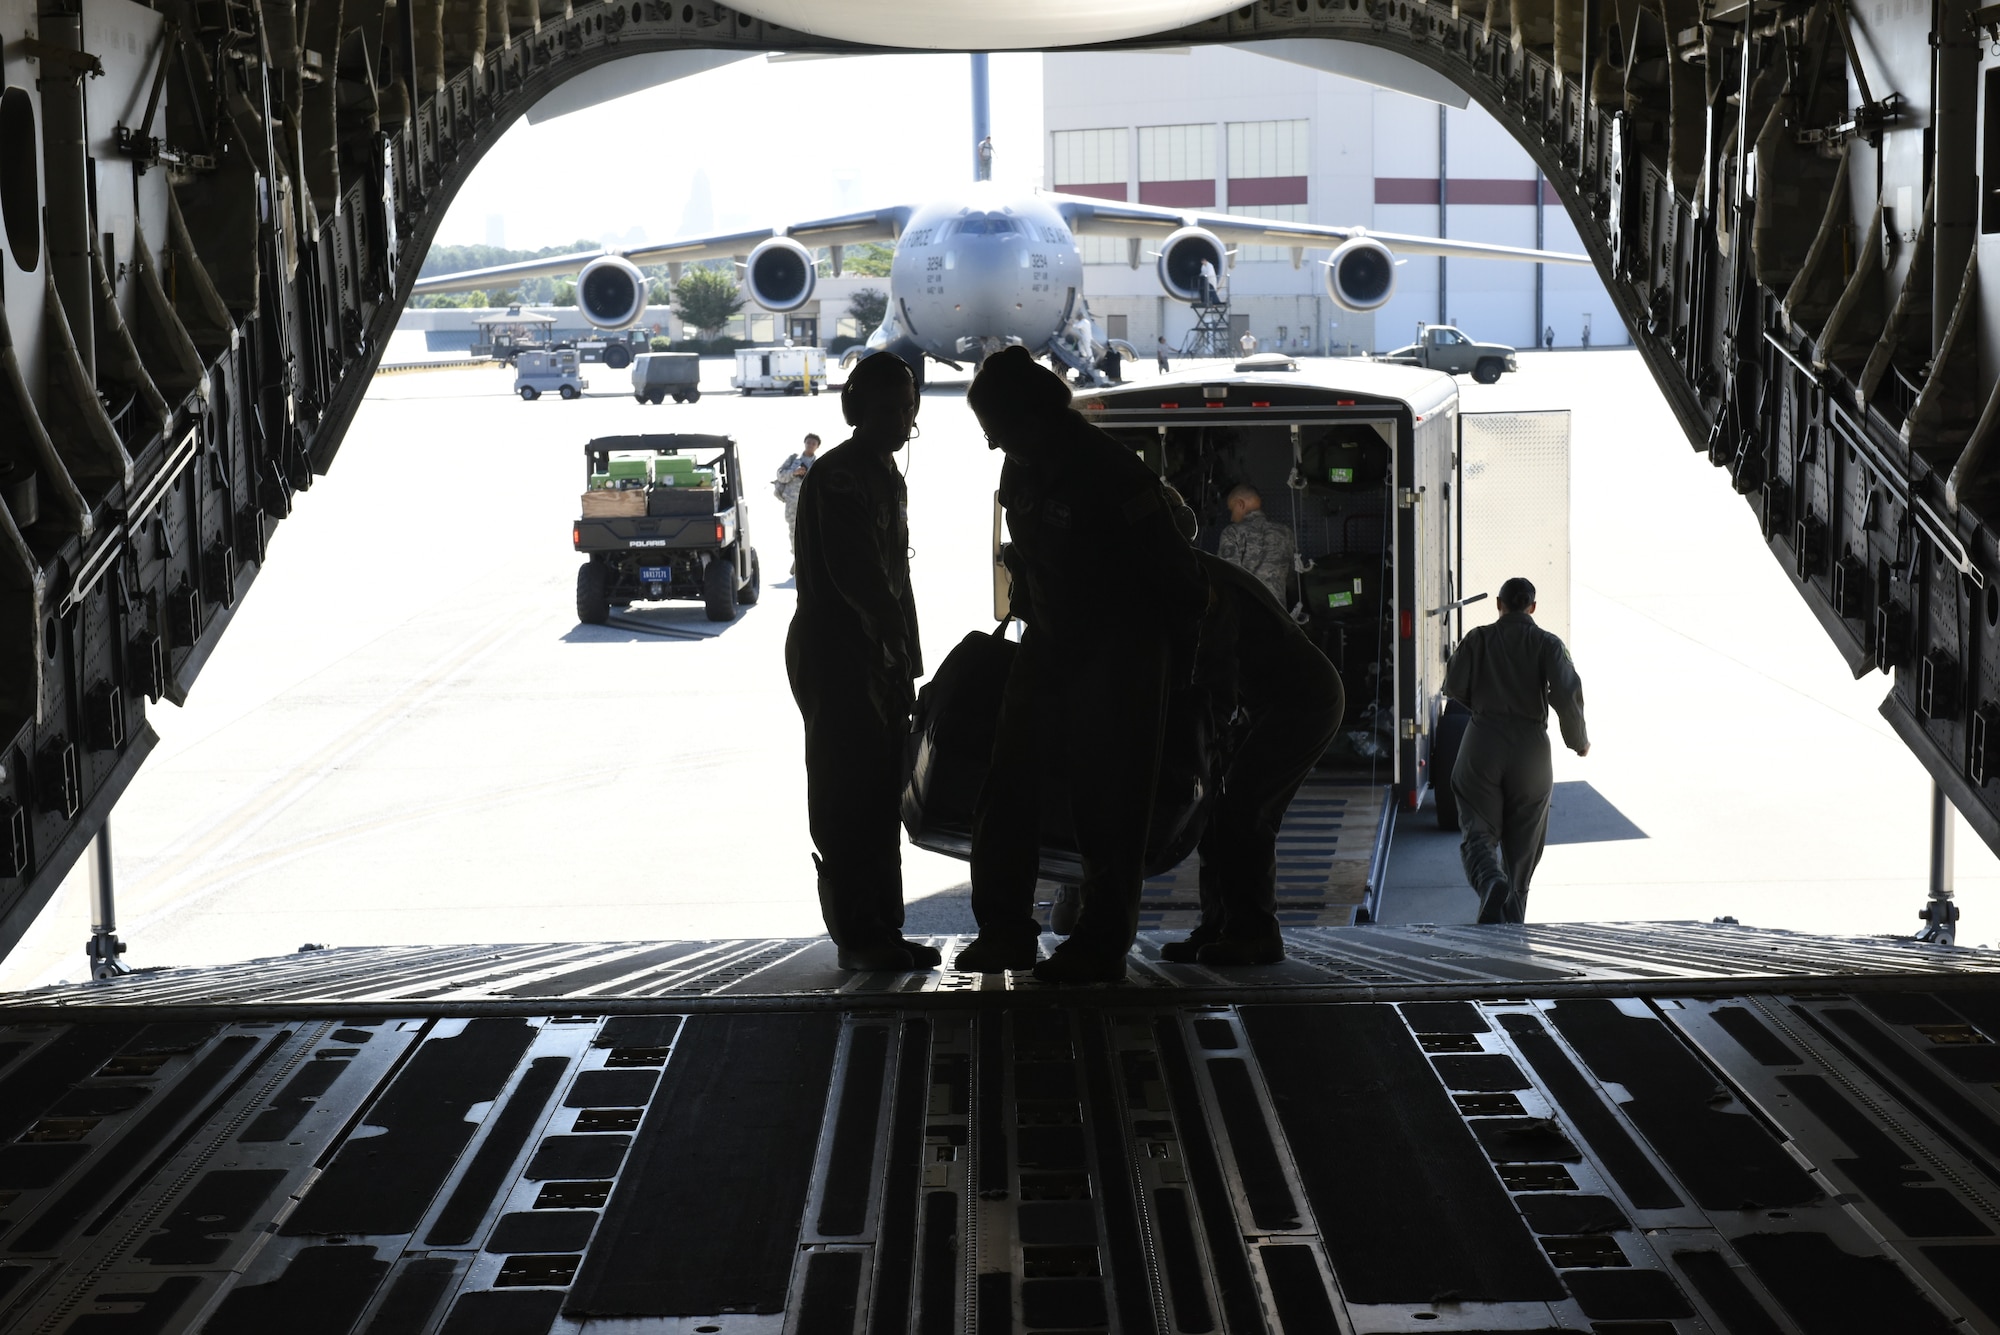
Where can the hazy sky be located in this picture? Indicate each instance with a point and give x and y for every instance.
(778, 141)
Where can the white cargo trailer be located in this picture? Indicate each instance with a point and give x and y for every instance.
(780, 370)
(1403, 507)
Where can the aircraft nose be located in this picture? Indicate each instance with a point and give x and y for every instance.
(990, 256)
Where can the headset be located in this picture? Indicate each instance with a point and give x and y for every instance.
(862, 380)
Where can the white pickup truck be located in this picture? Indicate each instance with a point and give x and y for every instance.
(1443, 348)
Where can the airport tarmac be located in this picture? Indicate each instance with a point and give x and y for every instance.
(406, 737)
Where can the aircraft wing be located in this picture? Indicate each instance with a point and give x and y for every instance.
(1099, 217)
(849, 229)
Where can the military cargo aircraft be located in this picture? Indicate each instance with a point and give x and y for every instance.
(212, 215)
(986, 266)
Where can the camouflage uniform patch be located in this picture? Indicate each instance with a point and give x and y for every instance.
(788, 487)
(1263, 548)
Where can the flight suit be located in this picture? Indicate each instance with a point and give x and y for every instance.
(1288, 702)
(1264, 547)
(852, 654)
(1112, 597)
(1509, 674)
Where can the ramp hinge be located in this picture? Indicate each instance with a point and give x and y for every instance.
(1407, 499)
(1409, 730)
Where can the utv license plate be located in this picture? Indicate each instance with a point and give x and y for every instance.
(656, 574)
(1340, 600)
(1340, 475)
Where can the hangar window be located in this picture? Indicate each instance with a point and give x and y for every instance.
(20, 178)
(1090, 157)
(1173, 153)
(1097, 163)
(1265, 149)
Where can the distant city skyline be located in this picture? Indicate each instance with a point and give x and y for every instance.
(749, 145)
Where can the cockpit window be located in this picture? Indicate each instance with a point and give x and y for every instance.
(986, 226)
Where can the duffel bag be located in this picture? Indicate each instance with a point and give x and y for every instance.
(951, 741)
(950, 753)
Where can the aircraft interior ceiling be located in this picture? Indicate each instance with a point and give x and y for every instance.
(212, 212)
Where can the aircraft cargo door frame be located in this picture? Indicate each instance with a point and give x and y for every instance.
(1513, 512)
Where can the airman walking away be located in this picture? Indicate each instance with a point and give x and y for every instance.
(1288, 702)
(788, 483)
(852, 654)
(1254, 542)
(1087, 693)
(1510, 673)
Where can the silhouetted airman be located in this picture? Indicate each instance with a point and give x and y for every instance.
(852, 655)
(1112, 597)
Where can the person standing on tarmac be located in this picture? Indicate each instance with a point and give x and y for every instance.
(789, 482)
(852, 655)
(1112, 597)
(1160, 354)
(1510, 674)
(1288, 702)
(1255, 543)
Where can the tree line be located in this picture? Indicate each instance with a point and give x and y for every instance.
(707, 297)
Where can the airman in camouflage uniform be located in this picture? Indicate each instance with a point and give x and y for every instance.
(1257, 544)
(789, 482)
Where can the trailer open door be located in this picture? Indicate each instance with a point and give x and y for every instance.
(1512, 497)
(1511, 502)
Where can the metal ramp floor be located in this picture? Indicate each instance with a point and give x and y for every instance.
(1332, 850)
(1625, 1129)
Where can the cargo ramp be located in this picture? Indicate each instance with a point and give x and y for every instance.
(1640, 1129)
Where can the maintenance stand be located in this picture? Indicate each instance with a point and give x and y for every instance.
(1210, 335)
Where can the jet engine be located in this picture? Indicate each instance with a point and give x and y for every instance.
(1180, 261)
(611, 292)
(781, 274)
(1361, 276)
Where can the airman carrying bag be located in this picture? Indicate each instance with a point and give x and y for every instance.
(950, 753)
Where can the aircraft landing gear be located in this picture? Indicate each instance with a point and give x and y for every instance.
(104, 948)
(1940, 914)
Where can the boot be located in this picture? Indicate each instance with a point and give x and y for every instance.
(998, 952)
(1071, 964)
(1495, 897)
(1189, 950)
(864, 943)
(885, 957)
(921, 955)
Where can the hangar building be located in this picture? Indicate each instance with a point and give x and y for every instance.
(1223, 128)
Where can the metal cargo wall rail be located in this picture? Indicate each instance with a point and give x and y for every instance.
(213, 209)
